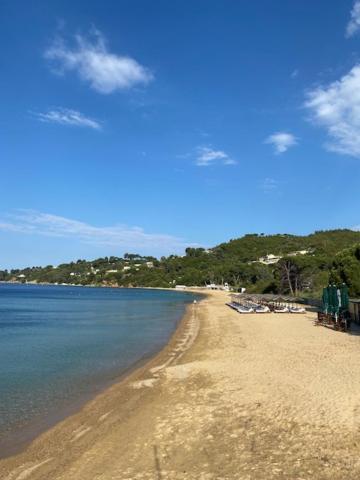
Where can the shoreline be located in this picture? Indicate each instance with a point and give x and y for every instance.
(19, 441)
(252, 397)
(192, 289)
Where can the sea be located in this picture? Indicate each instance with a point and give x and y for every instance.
(62, 344)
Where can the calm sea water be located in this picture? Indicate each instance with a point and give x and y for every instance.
(58, 343)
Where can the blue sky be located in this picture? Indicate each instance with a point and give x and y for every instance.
(149, 126)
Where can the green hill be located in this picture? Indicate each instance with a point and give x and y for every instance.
(252, 246)
(303, 264)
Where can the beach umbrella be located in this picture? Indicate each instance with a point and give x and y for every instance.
(328, 288)
(344, 292)
(325, 299)
(335, 299)
(332, 299)
(338, 294)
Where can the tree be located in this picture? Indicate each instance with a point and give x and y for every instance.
(4, 275)
(290, 275)
(194, 252)
(132, 256)
(346, 268)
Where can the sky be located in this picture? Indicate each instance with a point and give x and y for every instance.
(147, 127)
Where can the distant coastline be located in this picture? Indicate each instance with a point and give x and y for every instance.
(260, 263)
(191, 289)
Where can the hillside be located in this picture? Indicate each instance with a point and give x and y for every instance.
(301, 264)
(250, 247)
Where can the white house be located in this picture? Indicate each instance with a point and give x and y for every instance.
(299, 252)
(269, 259)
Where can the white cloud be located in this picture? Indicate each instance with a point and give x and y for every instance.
(121, 236)
(281, 141)
(294, 73)
(337, 108)
(207, 156)
(354, 24)
(269, 185)
(65, 116)
(106, 72)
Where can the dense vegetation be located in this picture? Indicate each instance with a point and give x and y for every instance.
(307, 263)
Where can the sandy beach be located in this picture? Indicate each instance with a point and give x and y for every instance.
(231, 397)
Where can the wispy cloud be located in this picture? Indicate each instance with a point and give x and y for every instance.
(337, 108)
(281, 141)
(90, 58)
(32, 222)
(207, 156)
(294, 73)
(65, 116)
(353, 26)
(269, 185)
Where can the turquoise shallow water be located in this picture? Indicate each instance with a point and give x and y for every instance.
(59, 344)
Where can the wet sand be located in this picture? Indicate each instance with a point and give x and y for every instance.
(231, 397)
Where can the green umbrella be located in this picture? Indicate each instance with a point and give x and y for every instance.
(325, 299)
(334, 302)
(344, 292)
(331, 301)
(337, 300)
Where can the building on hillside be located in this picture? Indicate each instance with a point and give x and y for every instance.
(212, 286)
(299, 252)
(269, 259)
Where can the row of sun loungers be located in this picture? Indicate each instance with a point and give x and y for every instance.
(250, 307)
